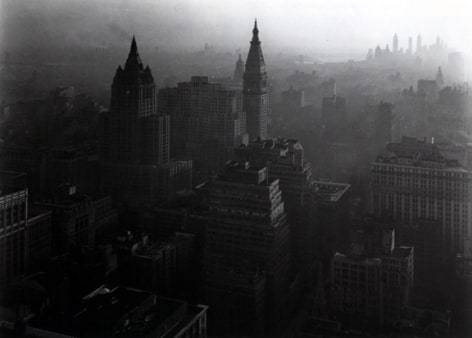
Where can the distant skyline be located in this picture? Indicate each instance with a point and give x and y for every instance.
(303, 26)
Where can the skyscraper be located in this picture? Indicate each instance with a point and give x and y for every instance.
(418, 44)
(285, 161)
(247, 238)
(255, 91)
(372, 284)
(134, 139)
(395, 43)
(207, 120)
(239, 71)
(410, 45)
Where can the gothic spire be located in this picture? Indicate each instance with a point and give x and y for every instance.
(255, 33)
(255, 60)
(134, 61)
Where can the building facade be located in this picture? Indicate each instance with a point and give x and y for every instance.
(247, 235)
(208, 122)
(371, 285)
(415, 181)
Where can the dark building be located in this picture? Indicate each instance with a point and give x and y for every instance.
(247, 249)
(134, 139)
(30, 160)
(238, 71)
(331, 217)
(160, 266)
(208, 122)
(285, 161)
(25, 235)
(255, 90)
(123, 312)
(371, 285)
(78, 218)
(293, 100)
(334, 116)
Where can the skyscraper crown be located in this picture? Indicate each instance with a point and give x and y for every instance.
(134, 71)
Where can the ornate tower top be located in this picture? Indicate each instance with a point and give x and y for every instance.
(255, 32)
(255, 59)
(133, 71)
(134, 61)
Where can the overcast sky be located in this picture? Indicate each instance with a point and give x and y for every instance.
(303, 25)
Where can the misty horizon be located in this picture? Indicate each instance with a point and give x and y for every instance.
(188, 26)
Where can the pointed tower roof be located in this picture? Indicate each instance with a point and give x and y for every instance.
(255, 59)
(440, 77)
(133, 62)
(240, 61)
(133, 72)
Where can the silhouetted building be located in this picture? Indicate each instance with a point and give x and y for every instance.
(78, 218)
(331, 216)
(440, 78)
(255, 90)
(293, 99)
(372, 284)
(247, 249)
(123, 312)
(208, 121)
(32, 161)
(134, 139)
(334, 116)
(160, 266)
(415, 181)
(285, 161)
(239, 71)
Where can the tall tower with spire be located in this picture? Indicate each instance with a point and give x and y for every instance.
(440, 78)
(255, 91)
(395, 43)
(134, 139)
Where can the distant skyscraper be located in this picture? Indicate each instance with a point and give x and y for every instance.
(378, 52)
(333, 111)
(440, 78)
(395, 43)
(418, 44)
(239, 71)
(410, 45)
(255, 91)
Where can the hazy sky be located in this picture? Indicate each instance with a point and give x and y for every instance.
(304, 25)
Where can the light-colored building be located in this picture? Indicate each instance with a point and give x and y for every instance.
(415, 181)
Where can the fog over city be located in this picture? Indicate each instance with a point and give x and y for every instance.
(204, 168)
(315, 26)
